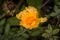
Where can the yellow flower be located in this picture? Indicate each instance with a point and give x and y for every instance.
(29, 18)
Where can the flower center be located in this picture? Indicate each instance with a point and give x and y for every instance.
(29, 20)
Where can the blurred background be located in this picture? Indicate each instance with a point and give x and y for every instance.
(10, 30)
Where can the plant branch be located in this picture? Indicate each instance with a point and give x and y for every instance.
(45, 3)
(2, 16)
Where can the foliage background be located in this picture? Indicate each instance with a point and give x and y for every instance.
(10, 30)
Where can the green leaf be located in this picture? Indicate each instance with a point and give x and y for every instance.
(23, 7)
(45, 35)
(25, 35)
(7, 28)
(57, 10)
(21, 28)
(55, 37)
(2, 22)
(59, 25)
(35, 2)
(35, 33)
(53, 14)
(51, 39)
(48, 31)
(22, 38)
(13, 21)
(56, 1)
(50, 28)
(55, 31)
(1, 29)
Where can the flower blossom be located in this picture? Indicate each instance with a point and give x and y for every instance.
(29, 18)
